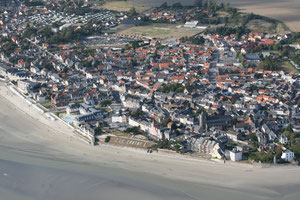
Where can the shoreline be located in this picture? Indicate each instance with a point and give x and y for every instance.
(262, 182)
(186, 157)
(75, 136)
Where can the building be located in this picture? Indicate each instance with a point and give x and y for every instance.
(192, 24)
(72, 108)
(287, 155)
(24, 85)
(202, 121)
(220, 121)
(116, 118)
(205, 145)
(236, 155)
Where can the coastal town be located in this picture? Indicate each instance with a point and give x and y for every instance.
(221, 91)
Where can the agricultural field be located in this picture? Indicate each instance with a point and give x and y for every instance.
(264, 26)
(261, 25)
(286, 11)
(123, 6)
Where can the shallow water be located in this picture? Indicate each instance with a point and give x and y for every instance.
(63, 180)
(35, 178)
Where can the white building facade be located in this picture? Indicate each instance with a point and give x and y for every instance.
(287, 155)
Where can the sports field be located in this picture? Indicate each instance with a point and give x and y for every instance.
(162, 31)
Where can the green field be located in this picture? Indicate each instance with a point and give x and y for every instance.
(287, 66)
(123, 6)
(162, 31)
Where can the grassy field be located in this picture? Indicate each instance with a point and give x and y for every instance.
(47, 104)
(287, 66)
(162, 31)
(123, 6)
(262, 25)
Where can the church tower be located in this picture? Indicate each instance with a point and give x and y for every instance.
(202, 121)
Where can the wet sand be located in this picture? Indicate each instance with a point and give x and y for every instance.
(38, 161)
(287, 11)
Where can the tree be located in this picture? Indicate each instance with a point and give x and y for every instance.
(107, 139)
(261, 156)
(296, 150)
(241, 58)
(253, 140)
(105, 103)
(49, 66)
(98, 130)
(145, 19)
(198, 3)
(166, 121)
(9, 47)
(278, 152)
(137, 113)
(177, 6)
(132, 12)
(176, 87)
(164, 5)
(227, 7)
(270, 64)
(134, 44)
(134, 130)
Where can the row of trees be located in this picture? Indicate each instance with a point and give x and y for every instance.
(269, 63)
(30, 3)
(176, 87)
(198, 40)
(294, 145)
(294, 139)
(239, 31)
(9, 47)
(68, 34)
(134, 130)
(80, 10)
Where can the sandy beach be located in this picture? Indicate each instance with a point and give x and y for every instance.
(286, 11)
(41, 159)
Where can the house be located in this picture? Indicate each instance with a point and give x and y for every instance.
(191, 24)
(241, 127)
(25, 85)
(91, 116)
(156, 132)
(283, 139)
(116, 118)
(253, 57)
(233, 135)
(72, 108)
(287, 155)
(271, 135)
(41, 98)
(205, 145)
(236, 155)
(144, 125)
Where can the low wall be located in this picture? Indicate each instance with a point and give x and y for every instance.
(167, 152)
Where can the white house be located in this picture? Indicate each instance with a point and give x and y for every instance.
(191, 24)
(287, 155)
(116, 119)
(236, 155)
